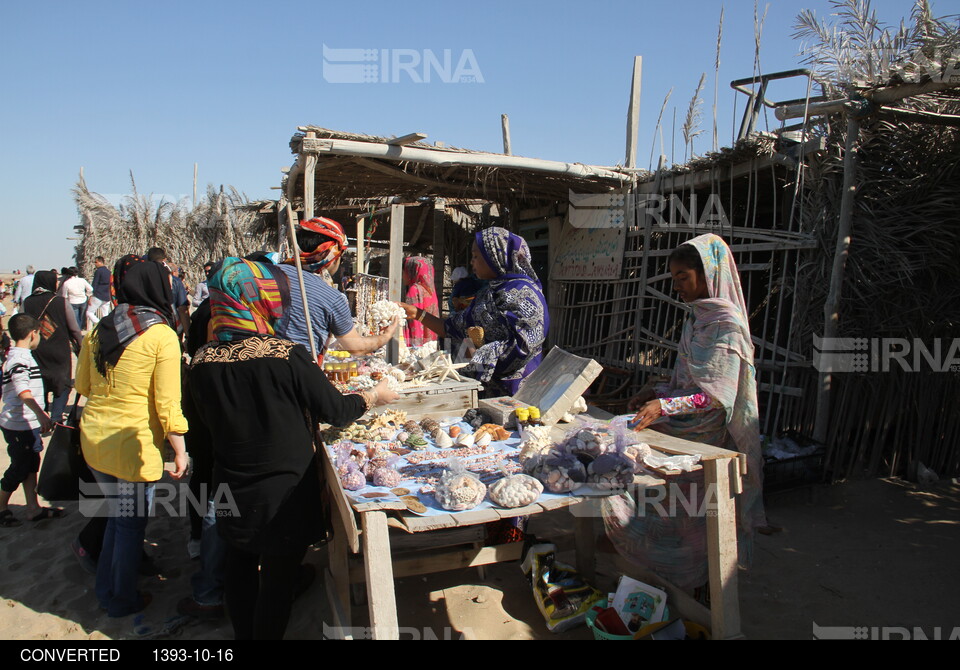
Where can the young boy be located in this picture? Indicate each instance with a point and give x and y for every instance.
(22, 421)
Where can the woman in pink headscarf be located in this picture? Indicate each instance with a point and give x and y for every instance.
(418, 276)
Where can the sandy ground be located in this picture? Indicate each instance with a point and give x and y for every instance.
(879, 553)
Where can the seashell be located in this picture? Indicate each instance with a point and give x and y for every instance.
(454, 431)
(382, 313)
(465, 440)
(515, 491)
(430, 426)
(402, 436)
(387, 477)
(413, 427)
(443, 440)
(611, 472)
(353, 480)
(483, 440)
(417, 442)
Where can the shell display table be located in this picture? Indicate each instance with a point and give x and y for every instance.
(363, 551)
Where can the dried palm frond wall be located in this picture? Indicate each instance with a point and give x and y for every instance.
(219, 225)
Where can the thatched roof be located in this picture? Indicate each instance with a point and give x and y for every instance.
(352, 167)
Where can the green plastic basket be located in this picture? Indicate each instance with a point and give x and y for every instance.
(603, 635)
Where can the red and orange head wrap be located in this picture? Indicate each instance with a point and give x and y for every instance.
(332, 246)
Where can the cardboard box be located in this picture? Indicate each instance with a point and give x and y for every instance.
(553, 387)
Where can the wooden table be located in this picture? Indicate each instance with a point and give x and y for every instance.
(363, 528)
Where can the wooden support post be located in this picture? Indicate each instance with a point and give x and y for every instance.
(395, 274)
(555, 234)
(633, 113)
(361, 251)
(378, 567)
(439, 248)
(505, 123)
(722, 548)
(585, 538)
(831, 305)
(309, 184)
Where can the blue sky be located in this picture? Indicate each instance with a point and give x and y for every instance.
(157, 87)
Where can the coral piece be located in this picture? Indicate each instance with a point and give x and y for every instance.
(459, 490)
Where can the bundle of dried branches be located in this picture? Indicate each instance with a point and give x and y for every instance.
(220, 225)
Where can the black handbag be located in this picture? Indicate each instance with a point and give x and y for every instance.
(63, 466)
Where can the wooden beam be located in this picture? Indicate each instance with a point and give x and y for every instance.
(399, 173)
(633, 113)
(309, 182)
(395, 274)
(722, 549)
(831, 316)
(378, 571)
(505, 126)
(439, 249)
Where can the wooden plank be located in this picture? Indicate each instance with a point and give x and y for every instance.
(474, 517)
(722, 551)
(378, 573)
(447, 537)
(557, 503)
(423, 524)
(679, 446)
(375, 505)
(407, 139)
(432, 562)
(345, 521)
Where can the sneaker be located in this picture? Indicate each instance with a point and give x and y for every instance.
(190, 607)
(85, 559)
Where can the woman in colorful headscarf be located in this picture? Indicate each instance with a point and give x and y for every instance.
(711, 397)
(129, 370)
(421, 293)
(262, 396)
(507, 320)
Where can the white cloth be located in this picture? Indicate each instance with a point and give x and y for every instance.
(97, 309)
(76, 290)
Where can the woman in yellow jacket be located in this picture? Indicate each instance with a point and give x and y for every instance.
(129, 370)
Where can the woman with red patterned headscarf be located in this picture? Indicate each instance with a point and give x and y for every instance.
(418, 276)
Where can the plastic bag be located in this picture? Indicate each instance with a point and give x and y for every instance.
(562, 596)
(458, 488)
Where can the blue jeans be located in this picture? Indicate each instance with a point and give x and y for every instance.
(207, 582)
(81, 312)
(118, 568)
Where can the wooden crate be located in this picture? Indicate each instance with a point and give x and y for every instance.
(450, 397)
